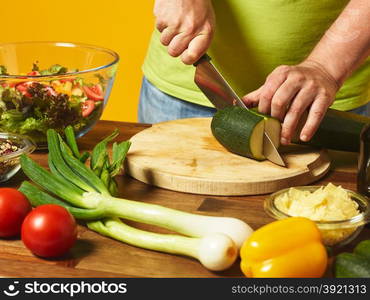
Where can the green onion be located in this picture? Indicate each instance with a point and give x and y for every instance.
(185, 223)
(215, 251)
(54, 184)
(99, 153)
(84, 157)
(38, 197)
(101, 165)
(88, 188)
(80, 169)
(60, 166)
(119, 154)
(71, 141)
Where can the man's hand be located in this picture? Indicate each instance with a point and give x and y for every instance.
(291, 90)
(312, 85)
(186, 27)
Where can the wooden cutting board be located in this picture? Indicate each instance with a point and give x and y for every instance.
(183, 155)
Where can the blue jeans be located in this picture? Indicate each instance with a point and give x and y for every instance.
(156, 106)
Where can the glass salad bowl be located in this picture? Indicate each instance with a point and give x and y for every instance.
(53, 84)
(12, 146)
(335, 232)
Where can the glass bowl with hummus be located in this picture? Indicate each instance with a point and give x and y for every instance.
(340, 214)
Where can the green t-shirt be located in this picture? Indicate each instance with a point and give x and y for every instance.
(252, 38)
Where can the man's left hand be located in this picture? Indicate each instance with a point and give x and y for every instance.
(291, 90)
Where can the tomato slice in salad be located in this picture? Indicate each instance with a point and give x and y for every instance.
(87, 108)
(23, 88)
(33, 73)
(67, 80)
(94, 92)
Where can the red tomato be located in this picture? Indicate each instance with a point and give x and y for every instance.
(33, 73)
(49, 231)
(87, 108)
(14, 207)
(67, 80)
(23, 88)
(9, 84)
(94, 92)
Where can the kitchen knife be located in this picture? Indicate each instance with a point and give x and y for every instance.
(220, 93)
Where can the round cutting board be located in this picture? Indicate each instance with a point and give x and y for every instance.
(183, 155)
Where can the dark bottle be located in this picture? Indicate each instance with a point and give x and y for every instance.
(363, 173)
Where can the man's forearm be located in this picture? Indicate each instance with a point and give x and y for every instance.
(346, 44)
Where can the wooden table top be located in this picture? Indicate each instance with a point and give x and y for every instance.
(98, 256)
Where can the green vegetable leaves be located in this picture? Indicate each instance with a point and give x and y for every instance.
(56, 109)
(54, 70)
(99, 154)
(35, 113)
(38, 197)
(101, 164)
(51, 103)
(363, 249)
(57, 185)
(35, 67)
(12, 121)
(70, 178)
(119, 154)
(71, 141)
(356, 264)
(11, 98)
(3, 70)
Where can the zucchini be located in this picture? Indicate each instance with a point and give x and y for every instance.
(273, 129)
(363, 249)
(338, 130)
(241, 131)
(354, 265)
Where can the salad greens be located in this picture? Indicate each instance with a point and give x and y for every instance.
(3, 70)
(32, 107)
(54, 70)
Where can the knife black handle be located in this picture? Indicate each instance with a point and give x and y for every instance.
(204, 57)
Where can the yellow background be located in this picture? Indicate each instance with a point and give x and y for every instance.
(121, 25)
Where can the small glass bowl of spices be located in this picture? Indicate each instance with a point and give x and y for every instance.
(12, 146)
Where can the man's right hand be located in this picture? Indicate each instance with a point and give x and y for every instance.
(186, 27)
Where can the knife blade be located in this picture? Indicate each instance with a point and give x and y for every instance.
(215, 87)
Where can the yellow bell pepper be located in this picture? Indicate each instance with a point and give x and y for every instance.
(62, 88)
(291, 247)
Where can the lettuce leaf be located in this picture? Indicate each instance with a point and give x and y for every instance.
(54, 70)
(3, 70)
(12, 122)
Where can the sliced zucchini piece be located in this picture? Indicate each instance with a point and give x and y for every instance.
(240, 131)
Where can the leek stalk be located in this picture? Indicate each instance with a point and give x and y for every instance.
(89, 196)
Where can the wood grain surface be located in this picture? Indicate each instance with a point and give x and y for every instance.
(98, 256)
(183, 155)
